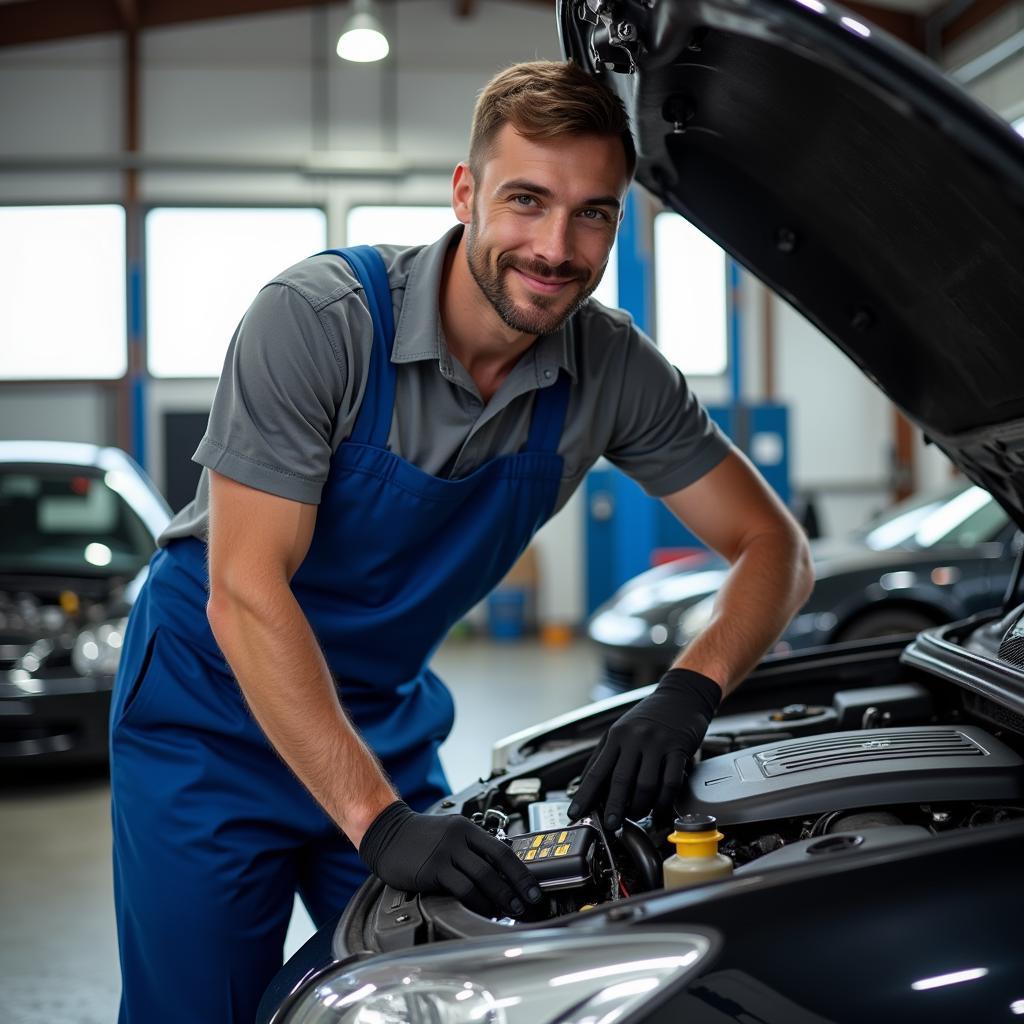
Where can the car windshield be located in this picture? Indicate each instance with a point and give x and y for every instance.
(960, 518)
(64, 519)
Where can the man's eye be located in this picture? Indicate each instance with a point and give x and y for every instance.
(594, 214)
(523, 200)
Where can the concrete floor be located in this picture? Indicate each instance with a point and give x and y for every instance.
(58, 953)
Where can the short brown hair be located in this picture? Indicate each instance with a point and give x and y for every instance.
(544, 99)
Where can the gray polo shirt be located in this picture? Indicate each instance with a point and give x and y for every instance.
(296, 370)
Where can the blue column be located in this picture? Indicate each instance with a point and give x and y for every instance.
(738, 418)
(137, 368)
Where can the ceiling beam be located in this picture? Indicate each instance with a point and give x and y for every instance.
(976, 13)
(37, 21)
(129, 11)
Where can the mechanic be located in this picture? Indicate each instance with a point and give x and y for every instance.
(390, 429)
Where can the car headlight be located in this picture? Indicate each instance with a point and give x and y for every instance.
(695, 619)
(614, 628)
(97, 650)
(516, 979)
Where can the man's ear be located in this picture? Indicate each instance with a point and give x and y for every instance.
(462, 193)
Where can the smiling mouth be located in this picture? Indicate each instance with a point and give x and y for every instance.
(546, 286)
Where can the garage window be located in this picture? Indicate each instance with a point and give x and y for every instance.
(204, 267)
(690, 286)
(62, 294)
(397, 225)
(420, 225)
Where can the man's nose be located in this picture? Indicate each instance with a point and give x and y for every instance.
(553, 244)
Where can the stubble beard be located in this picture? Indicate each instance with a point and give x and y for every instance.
(542, 315)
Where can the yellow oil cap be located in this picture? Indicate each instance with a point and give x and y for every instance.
(696, 835)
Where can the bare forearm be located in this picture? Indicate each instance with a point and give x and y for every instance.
(275, 657)
(766, 586)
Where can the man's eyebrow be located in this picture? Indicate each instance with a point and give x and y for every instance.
(525, 185)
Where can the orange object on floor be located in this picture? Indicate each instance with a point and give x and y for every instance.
(556, 635)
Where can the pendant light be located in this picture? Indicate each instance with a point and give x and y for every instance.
(362, 38)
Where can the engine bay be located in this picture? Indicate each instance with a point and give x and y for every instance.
(775, 803)
(798, 784)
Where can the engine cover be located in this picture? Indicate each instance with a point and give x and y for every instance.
(862, 768)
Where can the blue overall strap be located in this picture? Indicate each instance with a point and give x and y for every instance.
(373, 423)
(549, 408)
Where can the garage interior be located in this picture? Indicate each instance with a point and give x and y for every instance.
(188, 127)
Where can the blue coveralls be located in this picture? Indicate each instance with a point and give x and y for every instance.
(213, 835)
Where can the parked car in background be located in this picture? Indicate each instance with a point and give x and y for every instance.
(931, 559)
(876, 836)
(78, 524)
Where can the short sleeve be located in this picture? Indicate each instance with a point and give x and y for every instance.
(275, 407)
(662, 437)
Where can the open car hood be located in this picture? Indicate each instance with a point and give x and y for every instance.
(848, 174)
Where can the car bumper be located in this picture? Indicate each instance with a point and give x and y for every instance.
(55, 720)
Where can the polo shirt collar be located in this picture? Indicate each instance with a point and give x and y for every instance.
(418, 334)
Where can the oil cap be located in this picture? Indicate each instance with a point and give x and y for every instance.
(696, 823)
(696, 835)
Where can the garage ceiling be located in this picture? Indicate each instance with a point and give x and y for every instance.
(35, 21)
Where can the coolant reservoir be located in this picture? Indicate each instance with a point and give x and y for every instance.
(696, 858)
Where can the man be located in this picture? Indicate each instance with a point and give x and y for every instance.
(390, 429)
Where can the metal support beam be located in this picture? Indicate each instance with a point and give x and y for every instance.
(1009, 48)
(312, 165)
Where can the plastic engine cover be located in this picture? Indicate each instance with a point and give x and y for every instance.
(843, 770)
(836, 844)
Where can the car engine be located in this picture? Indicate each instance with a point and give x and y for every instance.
(45, 622)
(809, 794)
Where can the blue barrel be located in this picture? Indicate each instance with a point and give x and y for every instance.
(506, 613)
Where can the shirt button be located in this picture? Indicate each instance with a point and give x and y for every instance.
(547, 373)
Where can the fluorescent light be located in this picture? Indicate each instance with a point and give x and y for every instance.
(949, 979)
(362, 39)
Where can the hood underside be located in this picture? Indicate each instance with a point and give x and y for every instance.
(849, 175)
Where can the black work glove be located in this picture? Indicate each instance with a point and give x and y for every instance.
(447, 853)
(640, 762)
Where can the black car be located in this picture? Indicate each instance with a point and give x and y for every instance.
(78, 524)
(931, 559)
(871, 797)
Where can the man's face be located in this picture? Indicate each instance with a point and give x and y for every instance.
(540, 224)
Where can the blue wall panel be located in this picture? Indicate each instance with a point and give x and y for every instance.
(625, 527)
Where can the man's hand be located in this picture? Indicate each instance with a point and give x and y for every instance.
(426, 853)
(640, 762)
